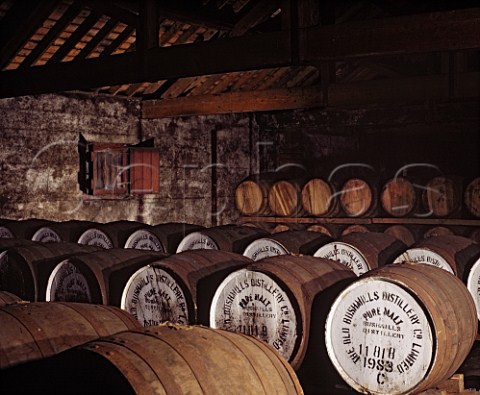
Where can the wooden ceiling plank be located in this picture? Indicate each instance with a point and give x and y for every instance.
(107, 51)
(109, 8)
(52, 34)
(258, 14)
(13, 34)
(422, 33)
(233, 102)
(97, 39)
(74, 38)
(433, 32)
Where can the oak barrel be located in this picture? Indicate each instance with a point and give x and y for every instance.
(319, 198)
(166, 359)
(293, 242)
(272, 300)
(442, 196)
(68, 231)
(398, 197)
(356, 228)
(401, 329)
(325, 229)
(32, 331)
(24, 270)
(358, 197)
(251, 195)
(110, 235)
(285, 198)
(403, 233)
(471, 197)
(474, 234)
(8, 298)
(362, 252)
(162, 237)
(232, 238)
(23, 229)
(438, 231)
(98, 277)
(178, 288)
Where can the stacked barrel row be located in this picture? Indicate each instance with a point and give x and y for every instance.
(436, 197)
(397, 328)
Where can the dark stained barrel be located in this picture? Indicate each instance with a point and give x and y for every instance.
(98, 277)
(400, 329)
(437, 231)
(109, 235)
(167, 359)
(356, 228)
(358, 197)
(272, 300)
(362, 252)
(294, 242)
(8, 298)
(471, 197)
(162, 237)
(442, 196)
(178, 288)
(323, 228)
(403, 233)
(31, 331)
(25, 269)
(23, 229)
(68, 231)
(232, 238)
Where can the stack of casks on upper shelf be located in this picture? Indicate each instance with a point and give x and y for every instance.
(360, 312)
(355, 197)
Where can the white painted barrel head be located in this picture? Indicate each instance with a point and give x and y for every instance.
(6, 233)
(143, 239)
(425, 256)
(252, 303)
(95, 237)
(46, 235)
(473, 284)
(379, 338)
(67, 283)
(197, 241)
(346, 254)
(264, 247)
(153, 296)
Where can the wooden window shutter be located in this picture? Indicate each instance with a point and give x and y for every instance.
(144, 170)
(109, 168)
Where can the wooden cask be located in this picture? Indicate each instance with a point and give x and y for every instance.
(98, 277)
(166, 359)
(403, 233)
(285, 198)
(358, 197)
(437, 231)
(474, 234)
(232, 238)
(456, 254)
(283, 227)
(272, 300)
(25, 269)
(401, 329)
(328, 230)
(23, 229)
(109, 235)
(290, 242)
(179, 288)
(471, 197)
(362, 252)
(251, 196)
(162, 237)
(319, 198)
(31, 331)
(398, 197)
(354, 229)
(442, 196)
(68, 231)
(8, 298)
